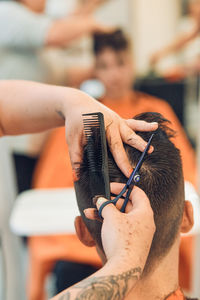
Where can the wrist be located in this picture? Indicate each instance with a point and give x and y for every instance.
(73, 101)
(134, 254)
(123, 263)
(91, 24)
(122, 272)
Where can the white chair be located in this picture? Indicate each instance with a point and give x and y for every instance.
(13, 285)
(44, 211)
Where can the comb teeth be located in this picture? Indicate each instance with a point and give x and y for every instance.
(91, 122)
(97, 160)
(93, 162)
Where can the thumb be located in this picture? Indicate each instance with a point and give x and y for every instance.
(75, 148)
(138, 198)
(108, 210)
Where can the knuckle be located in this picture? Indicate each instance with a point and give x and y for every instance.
(114, 141)
(114, 144)
(132, 138)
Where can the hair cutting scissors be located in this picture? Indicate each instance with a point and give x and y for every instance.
(133, 179)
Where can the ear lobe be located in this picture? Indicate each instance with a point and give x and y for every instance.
(83, 233)
(188, 220)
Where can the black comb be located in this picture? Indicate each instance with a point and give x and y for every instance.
(97, 157)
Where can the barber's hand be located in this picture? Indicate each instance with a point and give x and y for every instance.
(126, 234)
(118, 131)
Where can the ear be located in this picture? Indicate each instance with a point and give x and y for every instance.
(83, 233)
(188, 220)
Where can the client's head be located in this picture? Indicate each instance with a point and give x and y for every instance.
(162, 181)
(113, 62)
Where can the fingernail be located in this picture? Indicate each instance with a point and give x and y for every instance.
(154, 123)
(85, 211)
(95, 198)
(100, 201)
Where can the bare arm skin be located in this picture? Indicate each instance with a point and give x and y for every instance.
(28, 107)
(175, 46)
(126, 251)
(103, 287)
(79, 23)
(64, 31)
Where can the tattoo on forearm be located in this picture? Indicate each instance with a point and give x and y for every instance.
(65, 296)
(113, 287)
(59, 112)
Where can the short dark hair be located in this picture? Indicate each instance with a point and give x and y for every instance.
(115, 40)
(161, 179)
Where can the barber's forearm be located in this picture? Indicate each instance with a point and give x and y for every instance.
(176, 45)
(64, 31)
(113, 281)
(181, 41)
(28, 107)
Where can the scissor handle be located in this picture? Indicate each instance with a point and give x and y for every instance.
(114, 201)
(126, 188)
(104, 204)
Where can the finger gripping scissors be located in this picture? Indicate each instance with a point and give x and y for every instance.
(133, 179)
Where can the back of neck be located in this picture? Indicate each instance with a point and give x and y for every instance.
(161, 281)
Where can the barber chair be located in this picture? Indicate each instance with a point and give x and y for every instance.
(44, 211)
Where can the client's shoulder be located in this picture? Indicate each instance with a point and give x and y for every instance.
(151, 102)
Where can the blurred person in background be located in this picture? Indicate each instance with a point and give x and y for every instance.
(25, 30)
(114, 67)
(186, 45)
